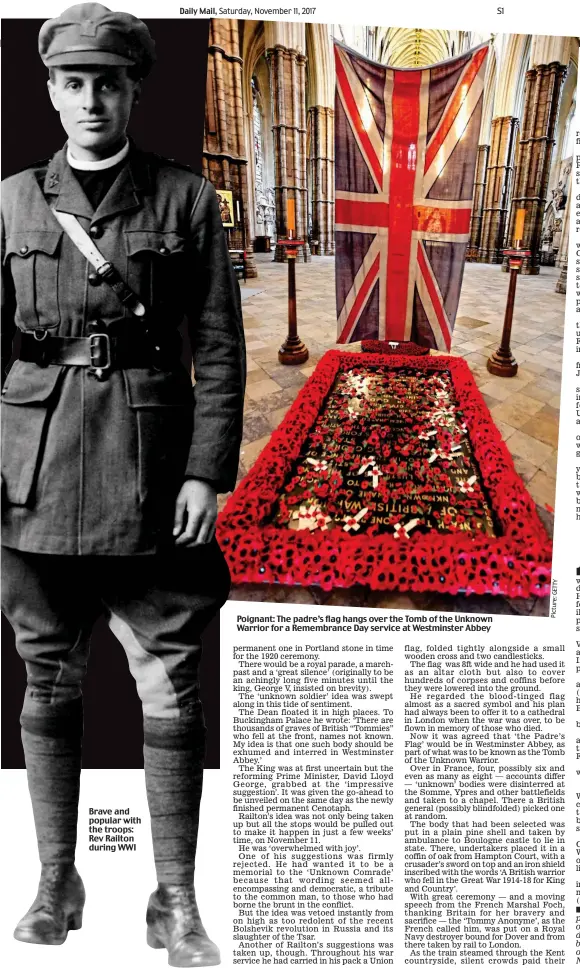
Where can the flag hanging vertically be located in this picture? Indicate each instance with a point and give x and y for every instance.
(405, 155)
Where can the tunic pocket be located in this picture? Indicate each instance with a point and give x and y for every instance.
(34, 264)
(156, 266)
(27, 403)
(163, 407)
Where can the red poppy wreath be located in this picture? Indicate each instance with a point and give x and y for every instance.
(388, 472)
(405, 347)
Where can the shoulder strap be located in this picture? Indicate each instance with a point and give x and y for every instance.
(106, 270)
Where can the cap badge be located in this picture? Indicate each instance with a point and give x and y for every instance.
(88, 28)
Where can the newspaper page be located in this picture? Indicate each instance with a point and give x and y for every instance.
(390, 692)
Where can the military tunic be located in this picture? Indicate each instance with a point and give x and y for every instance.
(93, 467)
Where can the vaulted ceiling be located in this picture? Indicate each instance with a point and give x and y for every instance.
(402, 47)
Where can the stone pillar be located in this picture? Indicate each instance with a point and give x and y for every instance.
(562, 258)
(321, 161)
(288, 91)
(224, 157)
(497, 190)
(478, 200)
(542, 98)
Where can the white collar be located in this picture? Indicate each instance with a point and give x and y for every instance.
(101, 165)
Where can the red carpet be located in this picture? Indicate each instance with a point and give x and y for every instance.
(389, 472)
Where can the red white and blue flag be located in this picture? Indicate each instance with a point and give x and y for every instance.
(405, 155)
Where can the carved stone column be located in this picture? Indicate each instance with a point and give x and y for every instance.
(562, 282)
(542, 98)
(478, 200)
(497, 189)
(562, 259)
(224, 157)
(288, 90)
(321, 161)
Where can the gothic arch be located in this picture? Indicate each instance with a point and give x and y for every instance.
(551, 50)
(488, 97)
(320, 76)
(520, 89)
(565, 119)
(567, 105)
(512, 66)
(253, 48)
(320, 84)
(262, 153)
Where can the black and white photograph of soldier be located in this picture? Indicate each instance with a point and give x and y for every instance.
(112, 460)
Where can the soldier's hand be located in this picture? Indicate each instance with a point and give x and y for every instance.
(195, 513)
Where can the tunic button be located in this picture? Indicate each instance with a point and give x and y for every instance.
(94, 326)
(94, 279)
(164, 250)
(23, 249)
(96, 231)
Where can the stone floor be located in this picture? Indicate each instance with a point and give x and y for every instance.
(525, 407)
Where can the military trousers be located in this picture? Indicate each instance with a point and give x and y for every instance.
(157, 606)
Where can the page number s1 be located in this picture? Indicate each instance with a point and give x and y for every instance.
(500, 9)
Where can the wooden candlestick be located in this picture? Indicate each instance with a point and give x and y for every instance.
(293, 351)
(502, 362)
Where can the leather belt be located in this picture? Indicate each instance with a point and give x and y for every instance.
(99, 352)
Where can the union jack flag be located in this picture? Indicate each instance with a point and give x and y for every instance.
(405, 155)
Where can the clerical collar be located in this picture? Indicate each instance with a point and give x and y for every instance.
(101, 165)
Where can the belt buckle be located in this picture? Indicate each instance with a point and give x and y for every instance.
(42, 352)
(98, 367)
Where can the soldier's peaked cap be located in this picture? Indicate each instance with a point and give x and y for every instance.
(90, 33)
